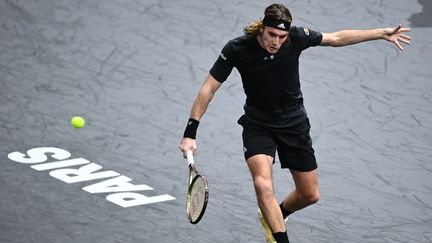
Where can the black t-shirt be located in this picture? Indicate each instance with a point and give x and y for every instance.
(270, 82)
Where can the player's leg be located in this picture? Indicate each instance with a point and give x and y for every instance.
(306, 191)
(259, 151)
(260, 167)
(295, 152)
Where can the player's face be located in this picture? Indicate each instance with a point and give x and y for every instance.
(273, 39)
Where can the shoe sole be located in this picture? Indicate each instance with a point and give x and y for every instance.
(268, 233)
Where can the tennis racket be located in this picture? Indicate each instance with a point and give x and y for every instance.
(198, 192)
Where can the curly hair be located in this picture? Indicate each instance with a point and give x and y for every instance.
(276, 11)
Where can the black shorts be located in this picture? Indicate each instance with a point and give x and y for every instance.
(293, 144)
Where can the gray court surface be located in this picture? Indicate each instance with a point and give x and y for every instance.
(133, 69)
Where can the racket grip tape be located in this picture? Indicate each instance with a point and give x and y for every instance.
(190, 158)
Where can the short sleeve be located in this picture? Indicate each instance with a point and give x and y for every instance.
(306, 36)
(224, 64)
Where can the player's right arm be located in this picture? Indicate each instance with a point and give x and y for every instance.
(199, 107)
(205, 95)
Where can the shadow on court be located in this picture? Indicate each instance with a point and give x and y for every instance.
(423, 18)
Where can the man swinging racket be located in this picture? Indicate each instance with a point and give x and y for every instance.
(275, 120)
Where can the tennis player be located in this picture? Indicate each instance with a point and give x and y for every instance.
(275, 120)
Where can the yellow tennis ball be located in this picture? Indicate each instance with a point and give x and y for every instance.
(77, 122)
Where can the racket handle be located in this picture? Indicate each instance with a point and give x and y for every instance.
(190, 158)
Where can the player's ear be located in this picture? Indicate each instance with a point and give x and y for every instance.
(261, 29)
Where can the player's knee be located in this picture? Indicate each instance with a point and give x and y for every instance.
(311, 198)
(263, 186)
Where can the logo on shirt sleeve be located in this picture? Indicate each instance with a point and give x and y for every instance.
(306, 30)
(223, 56)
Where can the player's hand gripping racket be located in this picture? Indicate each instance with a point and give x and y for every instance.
(198, 192)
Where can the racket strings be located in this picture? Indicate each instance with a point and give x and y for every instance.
(197, 199)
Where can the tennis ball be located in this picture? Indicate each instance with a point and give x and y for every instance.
(77, 122)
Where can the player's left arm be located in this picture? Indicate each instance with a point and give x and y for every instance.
(350, 37)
